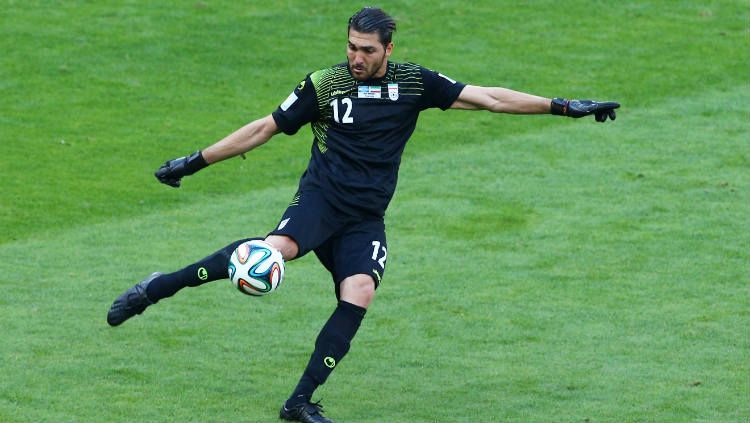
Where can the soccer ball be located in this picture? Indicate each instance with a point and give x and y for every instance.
(256, 268)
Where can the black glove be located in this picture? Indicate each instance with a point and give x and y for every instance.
(581, 108)
(172, 171)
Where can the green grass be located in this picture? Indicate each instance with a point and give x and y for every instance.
(540, 269)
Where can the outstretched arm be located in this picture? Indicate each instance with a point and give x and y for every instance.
(240, 141)
(500, 100)
(503, 100)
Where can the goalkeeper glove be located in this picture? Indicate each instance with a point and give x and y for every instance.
(172, 171)
(581, 108)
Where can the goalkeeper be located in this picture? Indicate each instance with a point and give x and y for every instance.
(361, 113)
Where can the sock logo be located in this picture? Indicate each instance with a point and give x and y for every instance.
(202, 273)
(330, 362)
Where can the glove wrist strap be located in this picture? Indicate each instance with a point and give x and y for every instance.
(559, 106)
(194, 163)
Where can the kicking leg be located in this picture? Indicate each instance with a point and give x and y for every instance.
(158, 286)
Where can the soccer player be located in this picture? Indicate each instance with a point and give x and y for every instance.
(361, 114)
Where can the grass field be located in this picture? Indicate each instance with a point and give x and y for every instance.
(540, 269)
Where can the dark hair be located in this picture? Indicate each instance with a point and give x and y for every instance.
(373, 19)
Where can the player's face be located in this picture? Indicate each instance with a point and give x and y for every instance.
(368, 58)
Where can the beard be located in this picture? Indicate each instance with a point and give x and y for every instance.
(364, 72)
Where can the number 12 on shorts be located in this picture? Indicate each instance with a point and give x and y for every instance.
(376, 252)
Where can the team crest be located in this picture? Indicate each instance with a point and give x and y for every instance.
(393, 91)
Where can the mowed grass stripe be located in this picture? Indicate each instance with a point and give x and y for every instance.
(581, 271)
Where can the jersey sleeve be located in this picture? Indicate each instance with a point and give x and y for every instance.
(299, 109)
(439, 90)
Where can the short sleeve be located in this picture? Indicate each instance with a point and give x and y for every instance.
(299, 109)
(439, 90)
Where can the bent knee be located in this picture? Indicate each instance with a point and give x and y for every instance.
(286, 245)
(358, 290)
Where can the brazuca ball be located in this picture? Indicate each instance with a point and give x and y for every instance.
(256, 268)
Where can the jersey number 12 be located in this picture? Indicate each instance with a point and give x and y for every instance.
(376, 251)
(347, 113)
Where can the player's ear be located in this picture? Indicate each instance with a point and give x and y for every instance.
(388, 49)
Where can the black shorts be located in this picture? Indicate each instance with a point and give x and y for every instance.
(345, 245)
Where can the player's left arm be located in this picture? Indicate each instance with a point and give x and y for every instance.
(504, 100)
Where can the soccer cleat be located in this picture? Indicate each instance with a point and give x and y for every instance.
(306, 412)
(131, 302)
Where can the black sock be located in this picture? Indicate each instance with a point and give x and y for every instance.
(211, 268)
(330, 347)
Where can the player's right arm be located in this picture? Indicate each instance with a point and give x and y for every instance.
(242, 140)
(300, 108)
(238, 142)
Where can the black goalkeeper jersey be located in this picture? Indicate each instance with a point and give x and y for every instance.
(361, 129)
